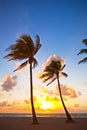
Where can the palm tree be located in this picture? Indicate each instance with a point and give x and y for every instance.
(51, 73)
(25, 49)
(84, 60)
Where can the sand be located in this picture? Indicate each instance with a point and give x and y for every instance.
(46, 123)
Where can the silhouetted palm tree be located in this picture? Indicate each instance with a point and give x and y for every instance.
(51, 73)
(83, 51)
(26, 49)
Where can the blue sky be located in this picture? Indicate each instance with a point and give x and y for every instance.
(61, 25)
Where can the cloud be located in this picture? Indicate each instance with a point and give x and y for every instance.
(77, 105)
(4, 104)
(52, 94)
(1, 94)
(8, 103)
(67, 92)
(26, 101)
(52, 98)
(54, 58)
(9, 82)
(85, 83)
(43, 95)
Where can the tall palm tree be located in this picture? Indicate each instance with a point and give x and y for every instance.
(25, 49)
(51, 73)
(84, 60)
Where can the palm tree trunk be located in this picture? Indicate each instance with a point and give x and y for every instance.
(69, 118)
(35, 121)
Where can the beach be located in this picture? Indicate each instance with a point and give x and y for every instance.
(46, 123)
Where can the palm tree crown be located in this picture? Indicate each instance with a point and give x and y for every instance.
(84, 60)
(51, 71)
(24, 49)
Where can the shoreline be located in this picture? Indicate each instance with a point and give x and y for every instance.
(56, 115)
(46, 123)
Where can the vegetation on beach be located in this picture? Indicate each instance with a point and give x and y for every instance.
(25, 49)
(83, 51)
(52, 72)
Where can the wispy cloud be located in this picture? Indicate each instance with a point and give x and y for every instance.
(69, 91)
(8, 103)
(4, 104)
(9, 82)
(77, 105)
(53, 93)
(27, 101)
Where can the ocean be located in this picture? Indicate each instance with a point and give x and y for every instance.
(74, 115)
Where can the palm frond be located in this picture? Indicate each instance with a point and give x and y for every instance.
(35, 63)
(10, 48)
(63, 67)
(51, 71)
(45, 74)
(28, 40)
(83, 60)
(64, 74)
(24, 48)
(85, 41)
(48, 78)
(37, 39)
(22, 65)
(21, 46)
(51, 81)
(37, 45)
(15, 55)
(50, 68)
(82, 51)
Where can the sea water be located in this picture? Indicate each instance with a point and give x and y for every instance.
(74, 115)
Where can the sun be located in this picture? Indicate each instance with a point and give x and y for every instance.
(46, 105)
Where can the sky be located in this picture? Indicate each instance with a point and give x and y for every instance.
(61, 25)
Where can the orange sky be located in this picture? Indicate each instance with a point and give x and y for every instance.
(46, 99)
(15, 94)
